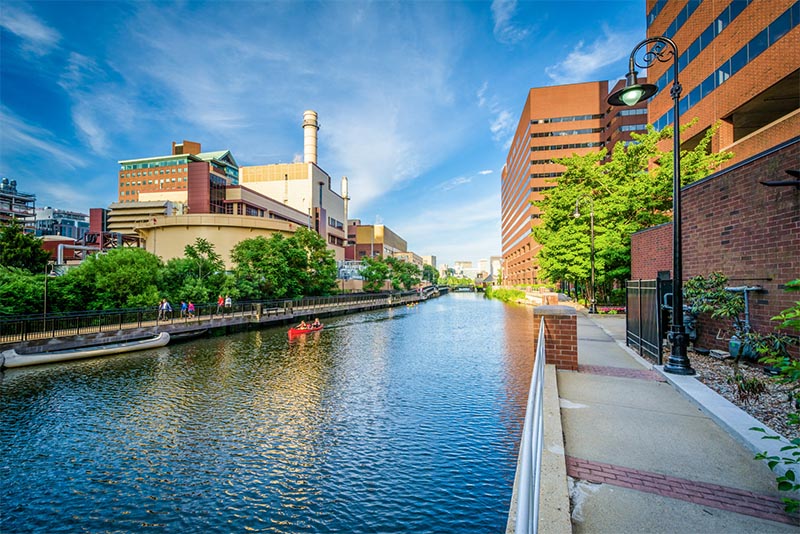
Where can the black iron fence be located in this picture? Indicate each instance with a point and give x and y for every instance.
(646, 319)
(31, 327)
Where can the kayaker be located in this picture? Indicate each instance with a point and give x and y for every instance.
(315, 324)
(302, 325)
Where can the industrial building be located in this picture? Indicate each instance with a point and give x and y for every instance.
(15, 204)
(372, 240)
(52, 221)
(305, 187)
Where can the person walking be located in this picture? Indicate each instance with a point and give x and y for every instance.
(220, 303)
(190, 309)
(184, 309)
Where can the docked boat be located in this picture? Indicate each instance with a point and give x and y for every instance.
(296, 330)
(11, 358)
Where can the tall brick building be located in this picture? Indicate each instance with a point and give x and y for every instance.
(739, 65)
(556, 122)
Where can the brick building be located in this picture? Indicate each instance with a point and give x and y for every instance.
(738, 65)
(556, 122)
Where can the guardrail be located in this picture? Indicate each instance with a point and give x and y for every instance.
(530, 463)
(37, 327)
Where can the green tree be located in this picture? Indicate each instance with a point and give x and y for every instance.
(403, 274)
(199, 276)
(21, 292)
(320, 263)
(375, 273)
(121, 278)
(262, 268)
(630, 192)
(430, 274)
(203, 256)
(21, 250)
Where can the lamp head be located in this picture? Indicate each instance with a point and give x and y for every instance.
(576, 213)
(632, 93)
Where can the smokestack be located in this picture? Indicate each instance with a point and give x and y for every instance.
(345, 196)
(310, 127)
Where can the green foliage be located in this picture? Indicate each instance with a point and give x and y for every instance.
(404, 275)
(375, 273)
(747, 389)
(121, 278)
(775, 351)
(630, 192)
(430, 274)
(21, 292)
(506, 295)
(21, 250)
(263, 268)
(320, 263)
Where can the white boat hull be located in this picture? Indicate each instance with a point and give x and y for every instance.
(10, 358)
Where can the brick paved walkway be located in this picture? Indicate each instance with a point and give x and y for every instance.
(711, 495)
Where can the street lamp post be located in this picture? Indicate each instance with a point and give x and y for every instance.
(576, 214)
(664, 50)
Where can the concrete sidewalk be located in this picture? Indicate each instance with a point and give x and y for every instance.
(642, 458)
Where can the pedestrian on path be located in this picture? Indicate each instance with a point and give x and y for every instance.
(190, 309)
(220, 303)
(184, 309)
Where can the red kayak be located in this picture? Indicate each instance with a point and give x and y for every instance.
(296, 330)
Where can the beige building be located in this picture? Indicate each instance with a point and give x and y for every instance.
(429, 260)
(306, 188)
(410, 257)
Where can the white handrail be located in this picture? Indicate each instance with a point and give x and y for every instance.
(531, 447)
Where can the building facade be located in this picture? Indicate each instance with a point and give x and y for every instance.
(51, 221)
(739, 67)
(372, 241)
(15, 204)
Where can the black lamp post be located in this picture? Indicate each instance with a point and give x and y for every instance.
(576, 214)
(664, 50)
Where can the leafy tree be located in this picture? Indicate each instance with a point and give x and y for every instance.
(375, 273)
(430, 274)
(630, 192)
(262, 268)
(198, 276)
(320, 262)
(120, 278)
(21, 250)
(404, 275)
(21, 292)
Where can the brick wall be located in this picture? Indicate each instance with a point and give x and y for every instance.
(735, 225)
(651, 252)
(748, 231)
(561, 335)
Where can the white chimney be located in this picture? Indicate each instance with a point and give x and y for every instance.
(310, 127)
(345, 196)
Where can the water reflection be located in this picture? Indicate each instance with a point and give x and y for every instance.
(402, 420)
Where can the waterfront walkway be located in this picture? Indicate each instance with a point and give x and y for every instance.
(642, 457)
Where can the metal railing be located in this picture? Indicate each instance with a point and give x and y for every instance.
(33, 327)
(530, 463)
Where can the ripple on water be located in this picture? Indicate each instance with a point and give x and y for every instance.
(401, 420)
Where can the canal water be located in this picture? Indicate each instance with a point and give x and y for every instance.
(399, 420)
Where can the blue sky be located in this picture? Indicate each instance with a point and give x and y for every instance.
(417, 101)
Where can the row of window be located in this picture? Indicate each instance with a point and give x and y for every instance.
(541, 161)
(633, 127)
(156, 164)
(758, 44)
(546, 174)
(567, 119)
(704, 40)
(570, 145)
(152, 173)
(151, 182)
(632, 111)
(539, 189)
(682, 16)
(567, 132)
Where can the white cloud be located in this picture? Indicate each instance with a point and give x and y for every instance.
(35, 35)
(486, 171)
(504, 29)
(455, 182)
(21, 137)
(583, 61)
(502, 122)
